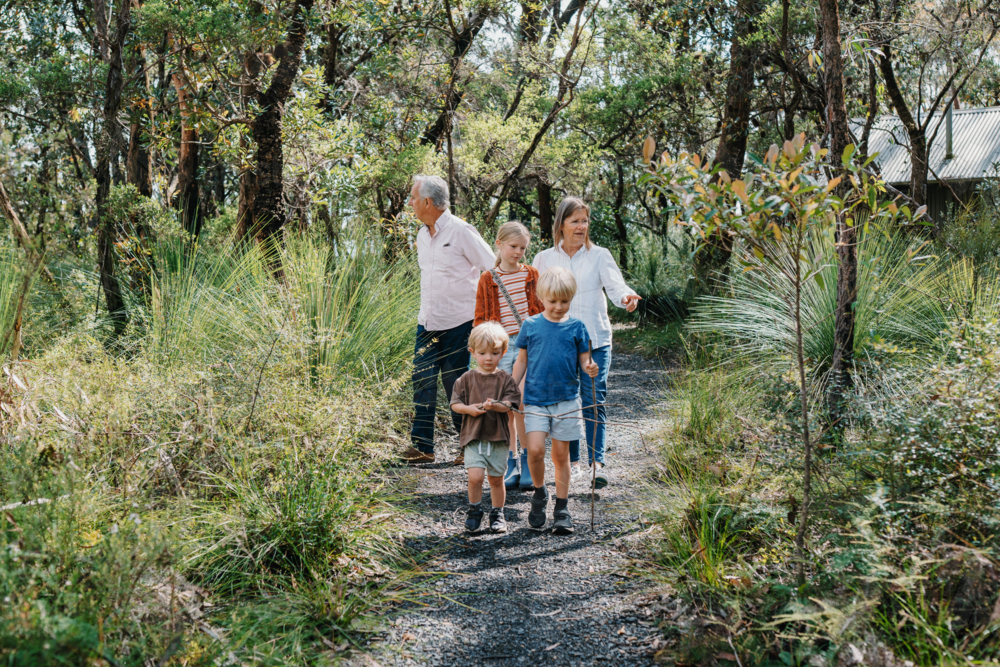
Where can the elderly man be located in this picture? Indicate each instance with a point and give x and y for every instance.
(452, 255)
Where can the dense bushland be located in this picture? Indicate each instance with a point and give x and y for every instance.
(902, 556)
(207, 486)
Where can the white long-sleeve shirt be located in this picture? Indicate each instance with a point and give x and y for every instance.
(450, 264)
(596, 272)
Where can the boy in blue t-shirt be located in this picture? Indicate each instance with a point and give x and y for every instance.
(552, 345)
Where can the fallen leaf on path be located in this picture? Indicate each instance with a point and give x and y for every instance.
(621, 630)
(553, 646)
(409, 637)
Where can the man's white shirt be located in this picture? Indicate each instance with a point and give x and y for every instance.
(451, 262)
(595, 271)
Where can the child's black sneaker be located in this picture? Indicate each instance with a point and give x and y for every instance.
(536, 517)
(497, 523)
(474, 518)
(562, 524)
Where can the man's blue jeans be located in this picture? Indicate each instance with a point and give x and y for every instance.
(436, 352)
(596, 433)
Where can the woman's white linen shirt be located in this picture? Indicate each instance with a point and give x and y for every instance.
(596, 272)
(450, 264)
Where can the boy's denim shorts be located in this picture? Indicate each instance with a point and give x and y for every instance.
(508, 359)
(558, 429)
(489, 455)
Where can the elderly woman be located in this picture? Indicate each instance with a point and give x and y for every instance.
(596, 272)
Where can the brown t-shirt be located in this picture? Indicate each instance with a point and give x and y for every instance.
(472, 389)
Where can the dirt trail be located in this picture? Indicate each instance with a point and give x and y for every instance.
(526, 596)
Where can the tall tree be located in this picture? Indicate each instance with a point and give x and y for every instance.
(950, 50)
(268, 211)
(109, 146)
(711, 261)
(839, 380)
(188, 196)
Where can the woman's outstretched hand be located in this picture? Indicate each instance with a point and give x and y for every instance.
(630, 302)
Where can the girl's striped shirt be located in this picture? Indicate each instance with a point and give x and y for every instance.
(515, 284)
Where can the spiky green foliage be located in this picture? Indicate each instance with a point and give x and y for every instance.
(233, 439)
(902, 306)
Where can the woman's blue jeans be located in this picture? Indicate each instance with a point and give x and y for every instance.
(596, 433)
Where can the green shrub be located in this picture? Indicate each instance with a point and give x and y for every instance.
(75, 579)
(942, 445)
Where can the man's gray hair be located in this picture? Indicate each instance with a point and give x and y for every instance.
(434, 188)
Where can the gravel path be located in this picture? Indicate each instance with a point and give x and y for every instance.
(526, 596)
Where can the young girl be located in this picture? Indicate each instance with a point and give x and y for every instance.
(510, 307)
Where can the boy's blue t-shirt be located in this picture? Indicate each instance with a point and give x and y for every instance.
(554, 350)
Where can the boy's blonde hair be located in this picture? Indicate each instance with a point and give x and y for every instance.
(511, 230)
(556, 283)
(491, 334)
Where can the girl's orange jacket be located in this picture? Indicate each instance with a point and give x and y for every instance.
(488, 297)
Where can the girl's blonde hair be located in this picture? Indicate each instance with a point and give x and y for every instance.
(568, 207)
(489, 334)
(556, 283)
(508, 231)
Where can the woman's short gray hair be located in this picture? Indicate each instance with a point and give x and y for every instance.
(434, 188)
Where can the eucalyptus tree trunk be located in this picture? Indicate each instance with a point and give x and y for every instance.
(839, 381)
(712, 260)
(915, 130)
(269, 213)
(188, 200)
(109, 146)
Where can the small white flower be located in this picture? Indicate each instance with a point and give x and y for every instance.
(114, 529)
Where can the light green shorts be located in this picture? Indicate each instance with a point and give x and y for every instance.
(489, 455)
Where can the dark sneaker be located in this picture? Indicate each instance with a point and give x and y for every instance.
(562, 524)
(497, 522)
(526, 484)
(536, 517)
(414, 456)
(474, 519)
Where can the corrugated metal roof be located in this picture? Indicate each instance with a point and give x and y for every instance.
(976, 146)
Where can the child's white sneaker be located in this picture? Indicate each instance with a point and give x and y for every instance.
(497, 523)
(600, 478)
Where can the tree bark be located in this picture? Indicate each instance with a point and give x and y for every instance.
(914, 130)
(545, 211)
(839, 380)
(269, 213)
(109, 147)
(331, 63)
(253, 64)
(188, 198)
(463, 39)
(712, 260)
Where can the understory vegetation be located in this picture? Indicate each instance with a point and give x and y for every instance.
(209, 488)
(902, 555)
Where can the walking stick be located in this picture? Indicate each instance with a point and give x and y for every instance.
(593, 479)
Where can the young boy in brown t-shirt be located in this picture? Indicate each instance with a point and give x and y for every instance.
(484, 395)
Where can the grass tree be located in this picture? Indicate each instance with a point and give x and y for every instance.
(783, 205)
